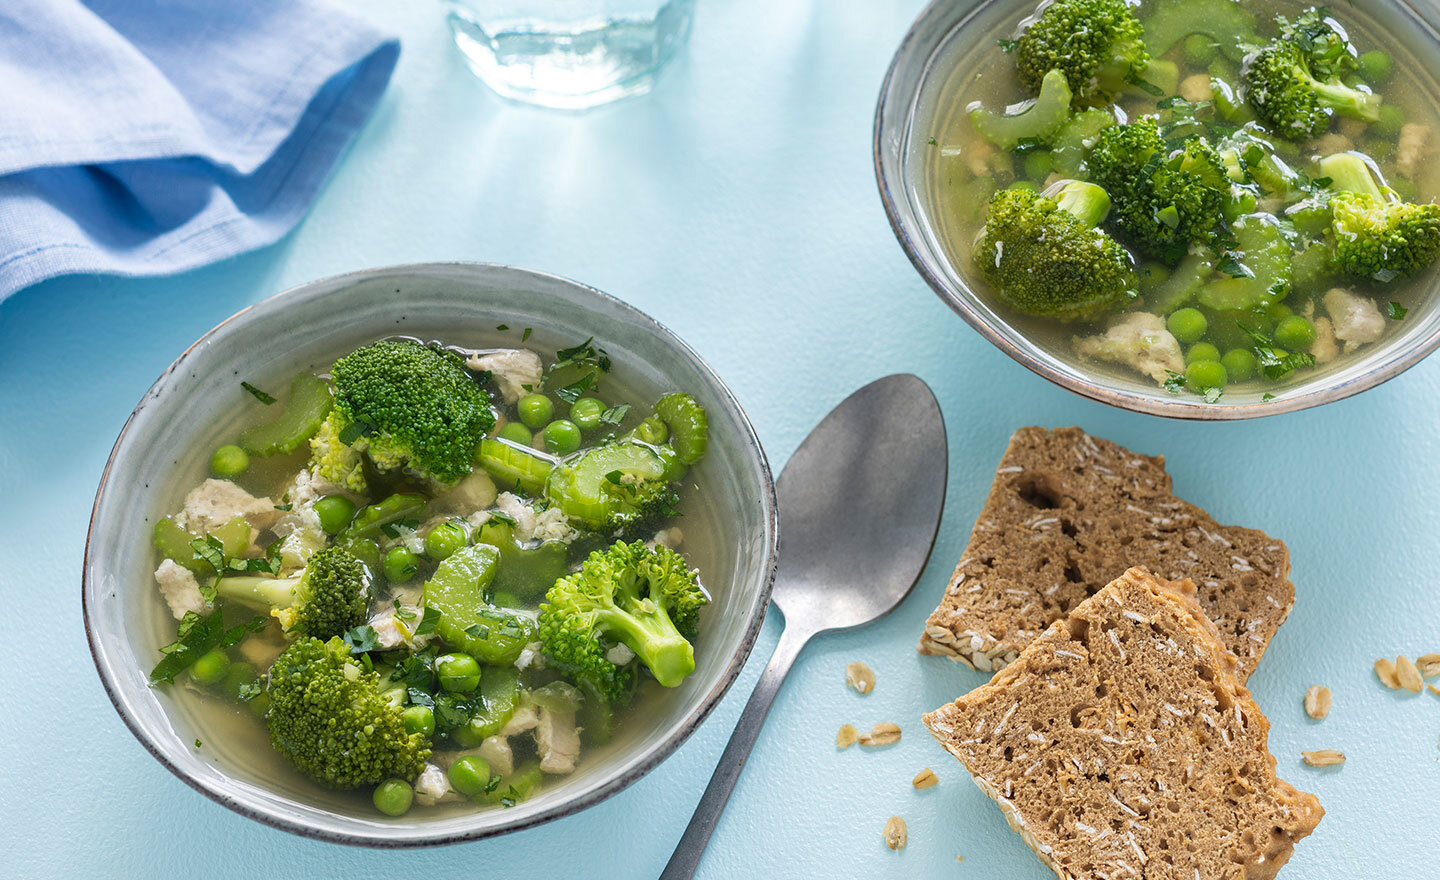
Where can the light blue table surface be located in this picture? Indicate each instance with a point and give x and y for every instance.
(737, 205)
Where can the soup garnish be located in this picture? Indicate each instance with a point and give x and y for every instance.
(459, 586)
(1192, 194)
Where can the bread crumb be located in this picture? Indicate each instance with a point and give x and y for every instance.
(895, 833)
(1323, 758)
(882, 734)
(1317, 702)
(925, 778)
(1408, 675)
(1385, 671)
(860, 677)
(846, 736)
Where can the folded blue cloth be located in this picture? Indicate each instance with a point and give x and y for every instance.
(142, 137)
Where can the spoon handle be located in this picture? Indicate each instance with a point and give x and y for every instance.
(691, 847)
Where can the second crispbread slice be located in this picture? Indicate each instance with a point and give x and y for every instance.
(1067, 514)
(1120, 745)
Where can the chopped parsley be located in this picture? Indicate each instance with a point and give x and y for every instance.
(1396, 311)
(428, 621)
(197, 636)
(526, 334)
(259, 395)
(362, 639)
(502, 327)
(615, 415)
(1174, 382)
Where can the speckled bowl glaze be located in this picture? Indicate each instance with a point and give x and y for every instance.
(171, 429)
(906, 108)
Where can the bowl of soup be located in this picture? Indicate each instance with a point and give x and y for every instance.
(1192, 208)
(424, 554)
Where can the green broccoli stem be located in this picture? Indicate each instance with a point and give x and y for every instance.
(1349, 173)
(259, 592)
(1088, 203)
(652, 635)
(1348, 102)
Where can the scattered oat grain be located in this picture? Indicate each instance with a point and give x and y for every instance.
(959, 858)
(846, 736)
(895, 832)
(1385, 671)
(1317, 701)
(1323, 758)
(860, 677)
(1408, 675)
(925, 778)
(1429, 665)
(882, 734)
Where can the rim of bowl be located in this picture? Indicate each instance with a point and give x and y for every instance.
(630, 772)
(1315, 393)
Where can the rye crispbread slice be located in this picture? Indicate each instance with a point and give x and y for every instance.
(1120, 744)
(1067, 514)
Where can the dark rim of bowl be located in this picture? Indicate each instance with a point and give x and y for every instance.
(665, 748)
(1380, 373)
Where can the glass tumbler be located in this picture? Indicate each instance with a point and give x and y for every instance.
(569, 54)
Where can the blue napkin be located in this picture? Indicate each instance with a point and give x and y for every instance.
(142, 137)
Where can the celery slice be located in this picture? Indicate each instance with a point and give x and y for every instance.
(309, 404)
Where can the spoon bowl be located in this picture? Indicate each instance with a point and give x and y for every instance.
(860, 504)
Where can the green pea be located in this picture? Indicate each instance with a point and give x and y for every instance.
(458, 673)
(1391, 120)
(445, 540)
(1200, 49)
(586, 412)
(419, 719)
(469, 775)
(1202, 351)
(364, 549)
(1038, 164)
(1277, 312)
(516, 433)
(335, 512)
(535, 410)
(1188, 325)
(259, 704)
(562, 437)
(1294, 333)
(393, 796)
(1152, 275)
(239, 675)
(1376, 66)
(1204, 375)
(229, 462)
(400, 565)
(211, 667)
(1239, 364)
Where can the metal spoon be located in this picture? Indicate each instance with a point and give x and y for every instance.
(860, 504)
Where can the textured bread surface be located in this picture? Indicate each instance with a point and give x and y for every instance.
(1120, 744)
(1067, 514)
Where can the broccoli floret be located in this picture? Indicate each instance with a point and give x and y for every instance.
(1294, 81)
(1045, 257)
(335, 720)
(1097, 44)
(332, 594)
(645, 598)
(1380, 240)
(1164, 200)
(1377, 236)
(404, 406)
